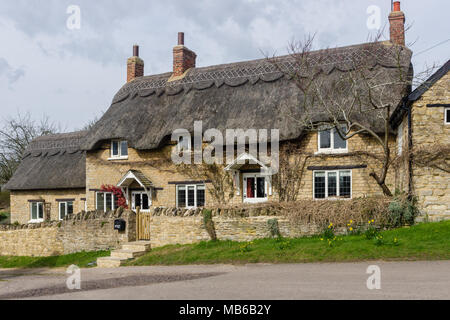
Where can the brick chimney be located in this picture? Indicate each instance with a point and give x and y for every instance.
(183, 58)
(397, 25)
(135, 65)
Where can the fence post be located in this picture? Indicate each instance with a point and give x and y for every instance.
(138, 223)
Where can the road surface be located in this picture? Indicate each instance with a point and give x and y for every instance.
(399, 280)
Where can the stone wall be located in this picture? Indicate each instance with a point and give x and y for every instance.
(428, 129)
(86, 231)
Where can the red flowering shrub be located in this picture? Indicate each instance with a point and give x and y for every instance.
(118, 195)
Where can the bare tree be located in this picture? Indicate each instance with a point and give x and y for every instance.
(16, 134)
(354, 99)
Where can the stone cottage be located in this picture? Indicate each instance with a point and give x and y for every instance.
(129, 148)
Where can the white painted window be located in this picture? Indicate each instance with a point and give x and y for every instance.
(119, 149)
(254, 187)
(65, 208)
(140, 199)
(104, 201)
(329, 141)
(400, 139)
(447, 115)
(332, 184)
(191, 196)
(36, 212)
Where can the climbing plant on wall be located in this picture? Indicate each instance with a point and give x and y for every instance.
(118, 195)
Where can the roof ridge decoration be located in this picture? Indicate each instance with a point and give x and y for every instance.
(237, 74)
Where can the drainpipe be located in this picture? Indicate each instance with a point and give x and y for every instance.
(406, 105)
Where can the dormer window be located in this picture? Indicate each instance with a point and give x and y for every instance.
(330, 141)
(119, 149)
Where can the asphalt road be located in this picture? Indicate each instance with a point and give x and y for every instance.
(399, 280)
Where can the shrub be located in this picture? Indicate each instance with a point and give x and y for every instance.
(208, 223)
(273, 228)
(402, 210)
(3, 216)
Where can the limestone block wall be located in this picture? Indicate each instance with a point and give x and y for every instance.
(86, 231)
(432, 186)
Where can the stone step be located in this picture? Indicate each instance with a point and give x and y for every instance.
(126, 254)
(137, 246)
(110, 262)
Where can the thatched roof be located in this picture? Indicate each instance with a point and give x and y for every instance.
(52, 162)
(252, 94)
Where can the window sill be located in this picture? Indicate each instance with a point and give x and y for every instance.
(117, 158)
(337, 151)
(36, 221)
(332, 199)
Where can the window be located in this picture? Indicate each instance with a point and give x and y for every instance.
(400, 139)
(140, 199)
(255, 187)
(332, 184)
(119, 149)
(104, 201)
(65, 208)
(37, 211)
(191, 196)
(331, 141)
(447, 115)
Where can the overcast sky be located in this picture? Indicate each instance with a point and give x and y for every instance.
(72, 75)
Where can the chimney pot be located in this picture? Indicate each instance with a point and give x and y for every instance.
(135, 50)
(396, 6)
(181, 38)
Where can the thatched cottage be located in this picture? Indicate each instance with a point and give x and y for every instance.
(128, 149)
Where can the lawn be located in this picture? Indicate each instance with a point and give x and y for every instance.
(81, 259)
(425, 241)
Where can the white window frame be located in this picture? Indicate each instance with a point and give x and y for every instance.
(38, 220)
(244, 187)
(331, 149)
(66, 204)
(186, 194)
(113, 207)
(133, 203)
(446, 119)
(119, 156)
(337, 197)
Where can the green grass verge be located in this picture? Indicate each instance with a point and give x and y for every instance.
(425, 241)
(80, 259)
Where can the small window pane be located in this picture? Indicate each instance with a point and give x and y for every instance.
(325, 139)
(108, 200)
(33, 211)
(319, 185)
(124, 148)
(200, 196)
(145, 205)
(62, 210)
(344, 184)
(332, 184)
(40, 210)
(181, 196)
(115, 148)
(260, 187)
(339, 143)
(191, 196)
(100, 201)
(69, 207)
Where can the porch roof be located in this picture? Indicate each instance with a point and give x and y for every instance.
(244, 159)
(135, 175)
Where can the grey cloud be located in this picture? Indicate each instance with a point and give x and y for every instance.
(9, 72)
